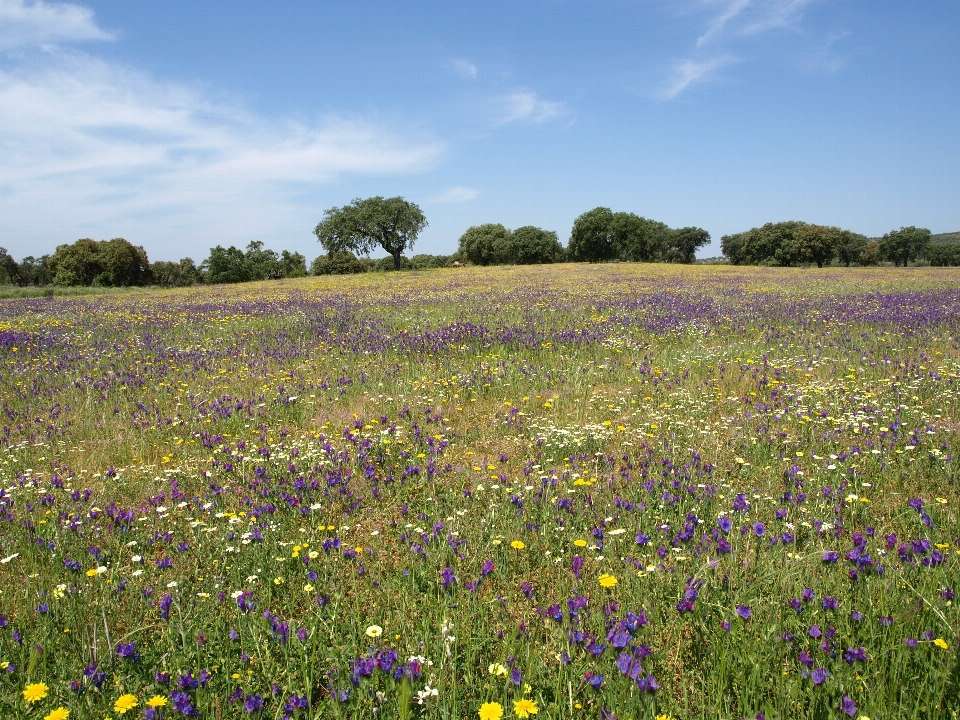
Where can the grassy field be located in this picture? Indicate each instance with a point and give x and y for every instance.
(616, 491)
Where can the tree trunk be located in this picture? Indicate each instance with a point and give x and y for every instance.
(396, 261)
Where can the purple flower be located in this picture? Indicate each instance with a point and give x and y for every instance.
(487, 567)
(807, 594)
(831, 556)
(164, 606)
(759, 529)
(447, 577)
(252, 703)
(576, 566)
(127, 650)
(814, 631)
(744, 612)
(725, 524)
(829, 603)
(848, 706)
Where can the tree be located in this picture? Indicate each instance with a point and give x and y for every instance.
(850, 247)
(227, 265)
(36, 271)
(904, 244)
(173, 274)
(391, 223)
(533, 246)
(262, 264)
(292, 265)
(9, 270)
(591, 238)
(122, 264)
(732, 248)
(637, 239)
(815, 243)
(871, 254)
(682, 244)
(488, 244)
(337, 263)
(76, 264)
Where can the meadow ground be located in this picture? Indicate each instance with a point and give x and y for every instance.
(618, 491)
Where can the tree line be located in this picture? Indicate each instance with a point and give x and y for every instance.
(799, 243)
(597, 235)
(393, 224)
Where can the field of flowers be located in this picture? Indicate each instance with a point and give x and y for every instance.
(618, 491)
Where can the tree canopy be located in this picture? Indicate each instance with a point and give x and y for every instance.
(905, 244)
(601, 234)
(116, 263)
(391, 223)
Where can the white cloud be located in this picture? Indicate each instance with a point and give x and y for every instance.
(24, 23)
(772, 15)
(525, 106)
(735, 18)
(455, 195)
(89, 148)
(688, 72)
(465, 69)
(717, 25)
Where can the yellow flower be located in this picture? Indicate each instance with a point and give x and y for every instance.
(159, 700)
(35, 692)
(941, 643)
(498, 670)
(607, 580)
(517, 545)
(124, 703)
(580, 543)
(490, 711)
(525, 707)
(664, 717)
(374, 631)
(61, 713)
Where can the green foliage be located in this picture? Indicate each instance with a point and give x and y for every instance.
(337, 263)
(591, 239)
(429, 262)
(9, 270)
(942, 254)
(871, 254)
(107, 263)
(227, 265)
(850, 247)
(600, 234)
(292, 265)
(903, 245)
(682, 244)
(637, 239)
(176, 274)
(534, 246)
(390, 223)
(793, 243)
(35, 271)
(230, 265)
(487, 244)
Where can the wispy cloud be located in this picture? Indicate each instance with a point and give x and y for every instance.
(728, 19)
(464, 69)
(716, 27)
(23, 24)
(526, 107)
(689, 71)
(89, 147)
(454, 195)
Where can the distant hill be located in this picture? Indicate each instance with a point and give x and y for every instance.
(953, 237)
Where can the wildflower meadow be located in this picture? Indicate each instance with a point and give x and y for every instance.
(577, 491)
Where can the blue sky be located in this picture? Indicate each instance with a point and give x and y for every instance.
(180, 125)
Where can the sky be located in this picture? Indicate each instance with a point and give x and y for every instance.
(184, 124)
